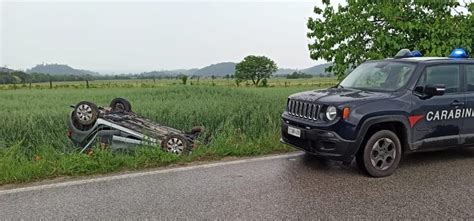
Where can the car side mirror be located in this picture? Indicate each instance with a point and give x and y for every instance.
(434, 90)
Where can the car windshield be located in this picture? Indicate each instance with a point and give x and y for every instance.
(379, 76)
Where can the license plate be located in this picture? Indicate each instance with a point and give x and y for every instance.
(294, 131)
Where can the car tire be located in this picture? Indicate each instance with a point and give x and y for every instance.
(176, 144)
(121, 105)
(85, 113)
(381, 154)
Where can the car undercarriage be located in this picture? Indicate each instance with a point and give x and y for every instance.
(118, 127)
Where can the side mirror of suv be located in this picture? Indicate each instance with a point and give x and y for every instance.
(435, 90)
(431, 90)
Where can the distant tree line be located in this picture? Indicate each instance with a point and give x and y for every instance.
(298, 74)
(19, 77)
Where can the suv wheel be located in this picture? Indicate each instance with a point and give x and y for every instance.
(381, 154)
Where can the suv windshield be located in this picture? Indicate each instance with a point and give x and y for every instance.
(379, 76)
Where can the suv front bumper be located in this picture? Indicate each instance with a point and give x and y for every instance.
(322, 143)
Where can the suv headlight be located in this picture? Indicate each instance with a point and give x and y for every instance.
(331, 113)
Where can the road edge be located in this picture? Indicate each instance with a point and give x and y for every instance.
(106, 178)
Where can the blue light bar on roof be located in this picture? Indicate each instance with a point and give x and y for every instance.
(459, 53)
(416, 53)
(405, 53)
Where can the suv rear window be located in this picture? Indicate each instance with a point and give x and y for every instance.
(447, 75)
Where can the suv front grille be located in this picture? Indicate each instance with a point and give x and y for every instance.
(304, 110)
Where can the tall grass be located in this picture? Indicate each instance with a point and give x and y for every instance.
(33, 142)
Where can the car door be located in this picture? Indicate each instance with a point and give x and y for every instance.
(436, 121)
(467, 132)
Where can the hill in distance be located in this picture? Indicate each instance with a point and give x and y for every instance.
(228, 68)
(218, 70)
(315, 70)
(6, 70)
(59, 69)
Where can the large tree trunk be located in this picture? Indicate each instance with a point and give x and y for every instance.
(256, 83)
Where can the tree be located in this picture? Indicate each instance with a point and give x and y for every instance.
(255, 68)
(366, 29)
(184, 78)
(212, 81)
(238, 81)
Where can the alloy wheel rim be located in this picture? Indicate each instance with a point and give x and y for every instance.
(383, 154)
(175, 145)
(84, 112)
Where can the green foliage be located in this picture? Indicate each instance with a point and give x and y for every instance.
(298, 74)
(238, 81)
(13, 77)
(255, 68)
(367, 29)
(184, 79)
(471, 24)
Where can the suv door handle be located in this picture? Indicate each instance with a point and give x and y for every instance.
(457, 103)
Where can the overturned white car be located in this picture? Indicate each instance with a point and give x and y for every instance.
(120, 128)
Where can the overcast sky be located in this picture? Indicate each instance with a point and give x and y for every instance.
(133, 37)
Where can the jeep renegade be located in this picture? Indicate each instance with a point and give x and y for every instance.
(385, 108)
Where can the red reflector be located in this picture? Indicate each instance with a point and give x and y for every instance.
(346, 113)
(69, 133)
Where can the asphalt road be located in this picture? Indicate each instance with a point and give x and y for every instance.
(436, 185)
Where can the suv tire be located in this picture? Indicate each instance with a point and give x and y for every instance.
(381, 154)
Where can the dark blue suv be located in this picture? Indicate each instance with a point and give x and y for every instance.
(385, 108)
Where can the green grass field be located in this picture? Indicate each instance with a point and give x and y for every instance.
(147, 83)
(241, 121)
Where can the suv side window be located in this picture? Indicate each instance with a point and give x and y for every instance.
(470, 77)
(447, 75)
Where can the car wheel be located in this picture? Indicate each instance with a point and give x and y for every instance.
(120, 104)
(176, 144)
(381, 154)
(86, 113)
